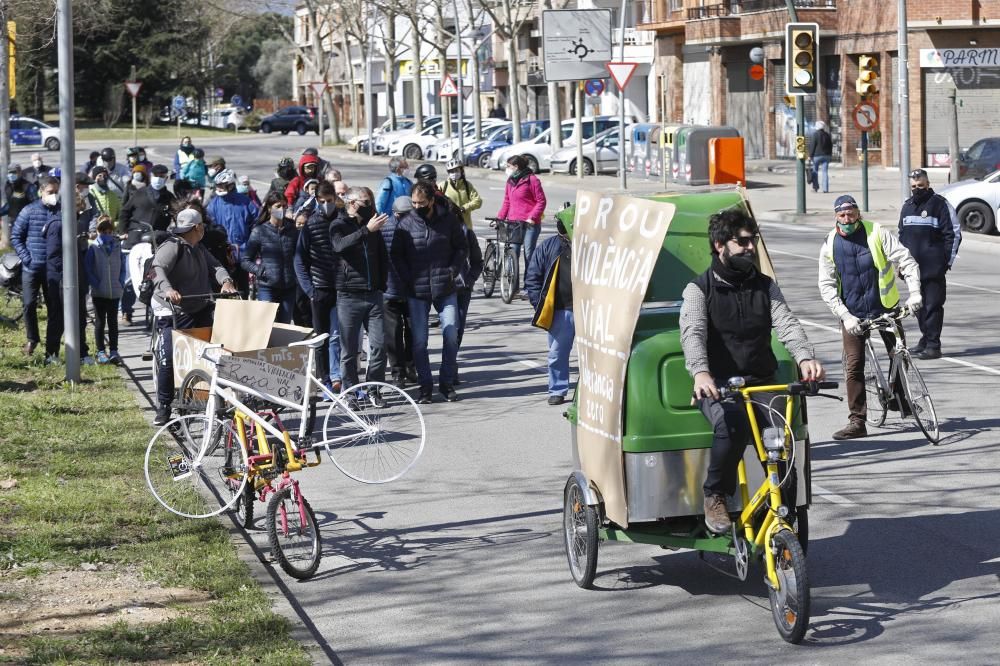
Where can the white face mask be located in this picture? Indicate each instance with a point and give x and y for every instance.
(36, 163)
(221, 192)
(157, 182)
(509, 171)
(212, 172)
(277, 213)
(50, 200)
(455, 176)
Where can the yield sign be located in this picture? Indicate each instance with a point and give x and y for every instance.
(621, 72)
(319, 87)
(448, 87)
(133, 87)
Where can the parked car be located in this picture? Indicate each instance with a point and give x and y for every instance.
(414, 146)
(383, 140)
(977, 202)
(982, 158)
(360, 142)
(447, 149)
(26, 131)
(600, 155)
(539, 150)
(501, 137)
(302, 119)
(223, 118)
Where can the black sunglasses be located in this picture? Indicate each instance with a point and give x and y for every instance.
(744, 241)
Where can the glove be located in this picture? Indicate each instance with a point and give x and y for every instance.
(914, 302)
(853, 325)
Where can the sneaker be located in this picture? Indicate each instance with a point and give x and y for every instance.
(103, 358)
(52, 359)
(115, 357)
(126, 318)
(929, 354)
(557, 399)
(162, 415)
(425, 397)
(87, 360)
(411, 374)
(716, 515)
(852, 430)
(336, 386)
(399, 381)
(378, 400)
(449, 394)
(29, 348)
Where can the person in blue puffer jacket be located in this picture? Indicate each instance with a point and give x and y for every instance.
(429, 252)
(393, 186)
(236, 213)
(398, 335)
(28, 239)
(270, 256)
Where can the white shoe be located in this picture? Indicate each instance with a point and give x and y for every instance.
(52, 360)
(87, 360)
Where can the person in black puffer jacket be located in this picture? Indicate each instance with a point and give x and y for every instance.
(315, 266)
(269, 256)
(361, 275)
(429, 251)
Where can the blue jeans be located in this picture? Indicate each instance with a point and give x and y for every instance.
(285, 298)
(821, 164)
(531, 233)
(354, 310)
(561, 335)
(447, 309)
(464, 299)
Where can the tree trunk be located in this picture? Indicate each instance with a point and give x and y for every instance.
(353, 87)
(332, 116)
(418, 97)
(515, 106)
(445, 101)
(477, 113)
(4, 120)
(390, 69)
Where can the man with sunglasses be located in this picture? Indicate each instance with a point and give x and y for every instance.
(726, 320)
(930, 230)
(857, 280)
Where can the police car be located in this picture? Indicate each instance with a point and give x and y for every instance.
(26, 131)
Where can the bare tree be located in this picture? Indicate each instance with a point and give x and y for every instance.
(507, 24)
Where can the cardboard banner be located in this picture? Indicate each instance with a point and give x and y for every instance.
(616, 242)
(263, 377)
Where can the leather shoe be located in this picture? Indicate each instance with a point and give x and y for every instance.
(557, 399)
(918, 348)
(449, 393)
(852, 430)
(425, 397)
(929, 354)
(29, 348)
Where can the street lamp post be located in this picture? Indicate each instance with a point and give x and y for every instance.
(622, 181)
(461, 85)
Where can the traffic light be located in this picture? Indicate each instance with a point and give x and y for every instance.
(867, 84)
(800, 148)
(801, 55)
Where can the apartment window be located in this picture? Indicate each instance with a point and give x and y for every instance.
(676, 5)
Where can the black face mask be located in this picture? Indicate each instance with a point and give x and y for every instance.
(422, 211)
(921, 195)
(741, 263)
(365, 213)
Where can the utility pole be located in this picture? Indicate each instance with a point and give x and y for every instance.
(800, 130)
(67, 190)
(904, 106)
(461, 86)
(622, 181)
(135, 131)
(952, 136)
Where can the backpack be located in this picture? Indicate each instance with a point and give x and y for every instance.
(10, 270)
(146, 287)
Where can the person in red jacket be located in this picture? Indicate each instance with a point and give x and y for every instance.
(523, 199)
(308, 170)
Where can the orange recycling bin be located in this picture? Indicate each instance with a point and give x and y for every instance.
(725, 160)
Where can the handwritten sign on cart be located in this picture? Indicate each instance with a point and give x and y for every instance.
(616, 242)
(263, 377)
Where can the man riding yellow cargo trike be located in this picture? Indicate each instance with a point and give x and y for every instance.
(688, 352)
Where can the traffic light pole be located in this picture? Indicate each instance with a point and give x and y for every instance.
(800, 161)
(864, 172)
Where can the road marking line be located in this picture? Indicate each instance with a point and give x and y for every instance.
(823, 327)
(792, 254)
(531, 364)
(972, 286)
(832, 497)
(974, 366)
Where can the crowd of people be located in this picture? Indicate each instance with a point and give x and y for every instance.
(340, 259)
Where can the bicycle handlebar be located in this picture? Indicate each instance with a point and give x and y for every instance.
(886, 320)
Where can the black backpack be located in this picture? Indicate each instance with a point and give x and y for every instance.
(146, 287)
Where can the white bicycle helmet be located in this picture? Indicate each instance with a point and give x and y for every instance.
(225, 177)
(452, 165)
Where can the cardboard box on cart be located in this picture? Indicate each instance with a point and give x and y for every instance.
(245, 329)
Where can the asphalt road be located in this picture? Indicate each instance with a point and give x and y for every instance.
(462, 560)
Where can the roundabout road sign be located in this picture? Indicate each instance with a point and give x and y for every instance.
(594, 87)
(865, 116)
(180, 102)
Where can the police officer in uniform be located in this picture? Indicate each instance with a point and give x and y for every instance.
(930, 230)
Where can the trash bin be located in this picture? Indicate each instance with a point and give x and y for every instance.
(639, 143)
(673, 137)
(725, 160)
(692, 147)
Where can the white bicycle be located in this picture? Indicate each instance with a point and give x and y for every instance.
(373, 432)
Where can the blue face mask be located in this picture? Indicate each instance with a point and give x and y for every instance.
(242, 189)
(12, 178)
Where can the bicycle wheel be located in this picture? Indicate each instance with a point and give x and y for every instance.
(490, 270)
(508, 276)
(192, 397)
(579, 534)
(374, 433)
(11, 307)
(790, 602)
(196, 466)
(877, 391)
(243, 508)
(293, 533)
(919, 398)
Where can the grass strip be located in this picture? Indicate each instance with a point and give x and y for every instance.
(77, 456)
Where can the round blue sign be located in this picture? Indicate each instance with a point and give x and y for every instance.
(594, 87)
(236, 100)
(180, 102)
(219, 93)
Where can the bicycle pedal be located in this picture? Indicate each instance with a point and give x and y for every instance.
(147, 356)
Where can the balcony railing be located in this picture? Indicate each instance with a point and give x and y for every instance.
(633, 37)
(737, 7)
